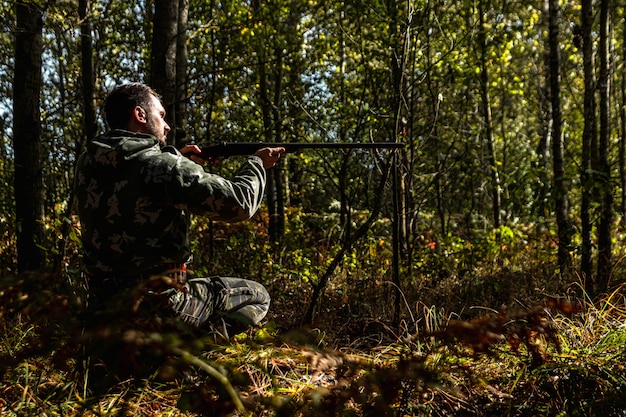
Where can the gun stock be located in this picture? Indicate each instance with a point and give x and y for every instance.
(226, 149)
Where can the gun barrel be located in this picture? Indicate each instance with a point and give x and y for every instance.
(226, 149)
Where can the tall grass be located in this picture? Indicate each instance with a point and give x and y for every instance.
(555, 358)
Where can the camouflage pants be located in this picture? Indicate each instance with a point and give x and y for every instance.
(233, 299)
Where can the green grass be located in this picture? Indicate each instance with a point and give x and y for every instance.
(558, 358)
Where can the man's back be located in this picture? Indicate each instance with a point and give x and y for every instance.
(129, 223)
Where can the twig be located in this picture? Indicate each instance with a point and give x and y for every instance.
(220, 377)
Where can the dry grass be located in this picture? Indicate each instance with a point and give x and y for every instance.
(552, 357)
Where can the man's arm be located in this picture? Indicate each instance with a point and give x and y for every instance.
(269, 155)
(229, 200)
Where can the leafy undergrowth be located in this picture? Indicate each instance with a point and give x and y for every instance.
(557, 358)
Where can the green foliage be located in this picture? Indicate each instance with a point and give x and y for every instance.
(349, 71)
(327, 71)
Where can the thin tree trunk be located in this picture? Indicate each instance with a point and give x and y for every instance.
(489, 137)
(319, 288)
(180, 104)
(396, 233)
(277, 226)
(399, 39)
(90, 124)
(588, 139)
(622, 142)
(345, 209)
(266, 114)
(213, 92)
(545, 115)
(163, 58)
(606, 191)
(434, 135)
(269, 114)
(558, 164)
(29, 194)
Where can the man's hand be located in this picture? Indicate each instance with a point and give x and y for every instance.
(269, 156)
(192, 152)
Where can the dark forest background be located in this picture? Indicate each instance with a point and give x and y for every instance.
(510, 189)
(511, 113)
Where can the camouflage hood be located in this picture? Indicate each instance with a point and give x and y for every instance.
(117, 146)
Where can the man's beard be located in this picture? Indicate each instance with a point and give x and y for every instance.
(154, 132)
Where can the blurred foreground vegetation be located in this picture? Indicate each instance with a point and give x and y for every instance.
(485, 330)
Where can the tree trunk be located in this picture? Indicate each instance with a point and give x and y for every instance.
(180, 103)
(212, 98)
(277, 226)
(545, 115)
(87, 75)
(267, 123)
(439, 167)
(29, 195)
(163, 58)
(90, 124)
(588, 139)
(486, 104)
(272, 128)
(398, 39)
(345, 209)
(558, 163)
(622, 142)
(319, 288)
(604, 144)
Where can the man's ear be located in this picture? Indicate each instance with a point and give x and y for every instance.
(139, 115)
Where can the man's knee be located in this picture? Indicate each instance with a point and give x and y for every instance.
(245, 300)
(236, 293)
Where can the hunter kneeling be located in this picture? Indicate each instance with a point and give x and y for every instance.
(134, 197)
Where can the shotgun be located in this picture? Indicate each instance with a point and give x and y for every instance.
(226, 149)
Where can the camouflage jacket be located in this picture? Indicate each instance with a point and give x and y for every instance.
(134, 198)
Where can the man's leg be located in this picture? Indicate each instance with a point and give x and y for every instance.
(234, 299)
(242, 300)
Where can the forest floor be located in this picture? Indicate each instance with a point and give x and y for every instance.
(554, 358)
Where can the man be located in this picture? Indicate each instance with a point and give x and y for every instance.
(134, 197)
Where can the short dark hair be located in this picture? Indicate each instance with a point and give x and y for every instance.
(123, 99)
